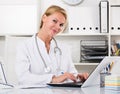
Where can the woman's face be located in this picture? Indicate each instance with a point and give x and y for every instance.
(53, 24)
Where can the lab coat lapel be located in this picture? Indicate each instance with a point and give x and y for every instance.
(43, 51)
(49, 59)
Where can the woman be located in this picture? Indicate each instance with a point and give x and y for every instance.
(41, 59)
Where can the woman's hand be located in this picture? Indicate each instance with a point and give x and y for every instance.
(63, 77)
(82, 76)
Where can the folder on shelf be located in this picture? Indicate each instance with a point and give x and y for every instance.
(104, 16)
(93, 57)
(95, 47)
(94, 53)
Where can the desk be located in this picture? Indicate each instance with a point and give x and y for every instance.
(59, 90)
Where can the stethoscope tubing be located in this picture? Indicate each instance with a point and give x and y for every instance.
(39, 51)
(56, 48)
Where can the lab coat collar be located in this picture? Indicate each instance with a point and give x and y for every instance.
(52, 44)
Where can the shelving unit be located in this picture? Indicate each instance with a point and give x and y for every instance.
(114, 23)
(74, 41)
(110, 36)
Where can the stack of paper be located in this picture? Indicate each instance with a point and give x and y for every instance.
(112, 82)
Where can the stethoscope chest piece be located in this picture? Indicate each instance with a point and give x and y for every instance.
(47, 69)
(57, 49)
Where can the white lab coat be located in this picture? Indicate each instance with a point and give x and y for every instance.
(30, 67)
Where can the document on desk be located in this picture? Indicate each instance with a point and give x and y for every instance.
(30, 86)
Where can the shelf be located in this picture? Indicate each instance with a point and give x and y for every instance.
(116, 33)
(118, 5)
(16, 34)
(86, 64)
(61, 34)
(83, 34)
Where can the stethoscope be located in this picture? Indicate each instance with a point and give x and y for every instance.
(47, 69)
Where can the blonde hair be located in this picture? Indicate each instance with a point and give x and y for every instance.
(52, 9)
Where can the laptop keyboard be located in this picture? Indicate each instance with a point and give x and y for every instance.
(68, 84)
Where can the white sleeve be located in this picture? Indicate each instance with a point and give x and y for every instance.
(72, 68)
(67, 59)
(22, 69)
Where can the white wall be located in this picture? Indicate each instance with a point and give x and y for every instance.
(19, 16)
(15, 19)
(84, 15)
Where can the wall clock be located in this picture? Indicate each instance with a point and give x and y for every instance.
(72, 2)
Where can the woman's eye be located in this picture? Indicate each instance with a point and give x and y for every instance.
(55, 21)
(61, 25)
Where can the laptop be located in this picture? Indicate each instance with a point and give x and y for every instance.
(94, 77)
(3, 80)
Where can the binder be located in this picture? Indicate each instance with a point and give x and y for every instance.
(104, 16)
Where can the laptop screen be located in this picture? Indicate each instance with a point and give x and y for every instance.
(2, 74)
(3, 80)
